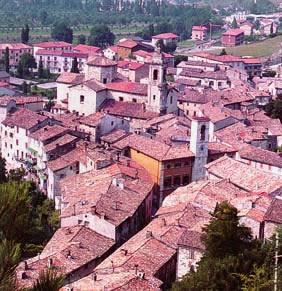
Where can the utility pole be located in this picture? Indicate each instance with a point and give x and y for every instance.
(276, 256)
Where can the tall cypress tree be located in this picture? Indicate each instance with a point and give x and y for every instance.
(7, 60)
(74, 68)
(40, 69)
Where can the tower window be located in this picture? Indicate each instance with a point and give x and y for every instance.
(154, 97)
(155, 75)
(203, 131)
(81, 99)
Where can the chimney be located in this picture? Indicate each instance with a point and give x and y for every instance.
(94, 276)
(93, 209)
(136, 269)
(25, 265)
(68, 256)
(50, 263)
(149, 234)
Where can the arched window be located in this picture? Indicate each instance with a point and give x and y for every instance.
(155, 75)
(211, 83)
(203, 131)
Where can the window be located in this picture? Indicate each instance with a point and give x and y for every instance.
(104, 80)
(5, 144)
(168, 166)
(203, 132)
(185, 180)
(219, 84)
(176, 181)
(177, 165)
(120, 99)
(11, 135)
(180, 102)
(167, 182)
(112, 123)
(186, 164)
(5, 132)
(155, 75)
(81, 99)
(17, 129)
(154, 97)
(171, 99)
(17, 142)
(17, 153)
(134, 100)
(11, 146)
(187, 112)
(191, 255)
(122, 122)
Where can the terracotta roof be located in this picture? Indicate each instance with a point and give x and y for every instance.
(87, 49)
(52, 44)
(92, 119)
(70, 248)
(70, 78)
(245, 176)
(61, 141)
(114, 136)
(199, 28)
(126, 109)
(165, 35)
(200, 74)
(274, 212)
(113, 48)
(154, 149)
(257, 154)
(46, 52)
(70, 158)
(14, 46)
(48, 132)
(24, 118)
(128, 87)
(127, 44)
(94, 85)
(101, 62)
(233, 32)
(102, 189)
(191, 239)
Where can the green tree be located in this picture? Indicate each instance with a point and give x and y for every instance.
(229, 251)
(62, 32)
(3, 170)
(9, 258)
(40, 70)
(74, 67)
(48, 280)
(274, 109)
(27, 62)
(101, 36)
(7, 60)
(234, 23)
(25, 34)
(82, 39)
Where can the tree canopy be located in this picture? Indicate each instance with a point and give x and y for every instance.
(232, 260)
(101, 35)
(62, 32)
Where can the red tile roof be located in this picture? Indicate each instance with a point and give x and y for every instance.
(70, 78)
(101, 62)
(14, 46)
(233, 32)
(199, 28)
(46, 52)
(52, 44)
(24, 118)
(126, 109)
(127, 44)
(87, 49)
(165, 36)
(128, 87)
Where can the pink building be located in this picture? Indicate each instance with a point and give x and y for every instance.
(233, 37)
(199, 32)
(16, 50)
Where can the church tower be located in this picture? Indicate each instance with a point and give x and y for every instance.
(157, 86)
(199, 142)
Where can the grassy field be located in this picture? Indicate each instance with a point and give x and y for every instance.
(259, 49)
(188, 43)
(38, 34)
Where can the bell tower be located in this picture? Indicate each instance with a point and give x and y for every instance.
(199, 142)
(157, 86)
